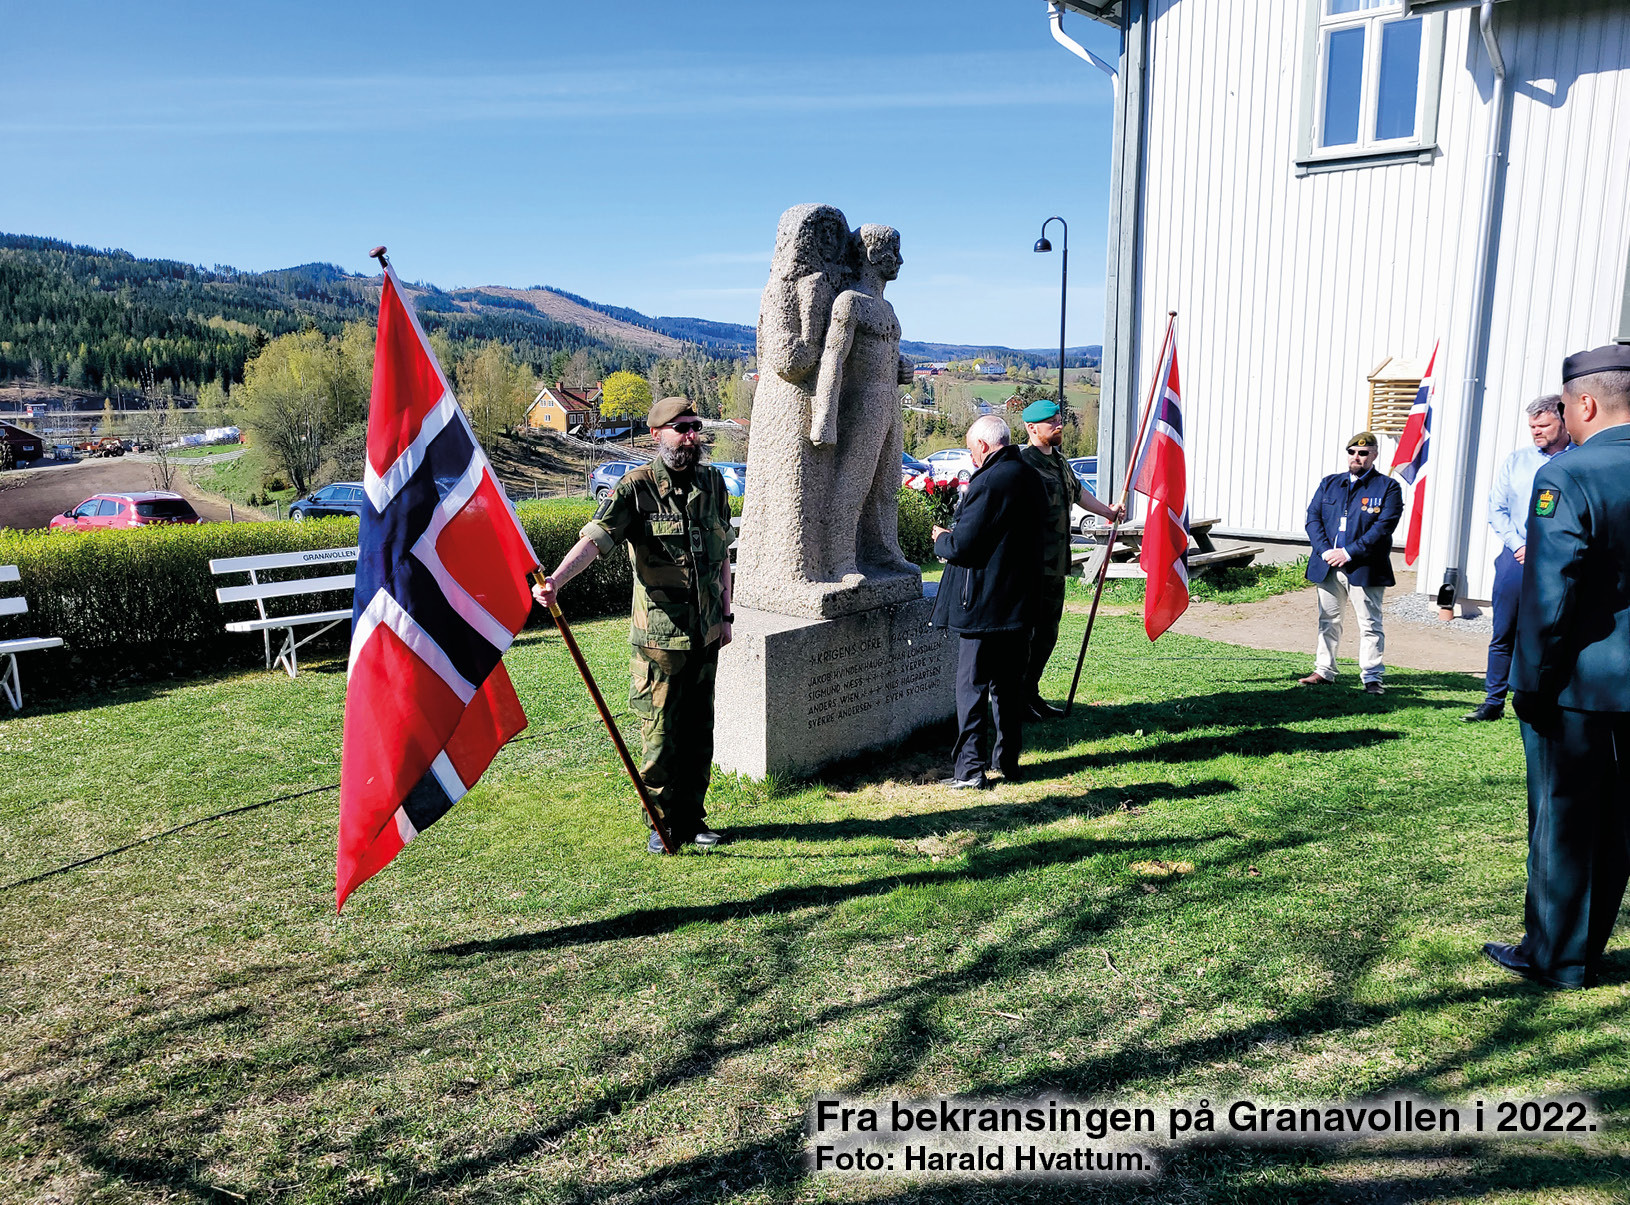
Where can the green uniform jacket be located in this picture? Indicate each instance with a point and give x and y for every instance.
(1573, 625)
(1062, 490)
(676, 551)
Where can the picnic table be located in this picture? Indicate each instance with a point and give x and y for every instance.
(1203, 553)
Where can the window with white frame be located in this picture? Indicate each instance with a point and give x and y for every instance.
(1376, 75)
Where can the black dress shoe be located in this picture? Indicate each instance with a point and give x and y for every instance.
(1511, 959)
(1483, 713)
(706, 838)
(1012, 775)
(1041, 709)
(977, 783)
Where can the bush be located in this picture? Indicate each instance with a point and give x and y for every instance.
(916, 528)
(131, 604)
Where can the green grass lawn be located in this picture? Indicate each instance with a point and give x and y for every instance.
(526, 1006)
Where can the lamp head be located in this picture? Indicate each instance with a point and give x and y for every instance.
(1042, 244)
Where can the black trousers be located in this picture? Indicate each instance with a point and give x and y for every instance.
(990, 679)
(1044, 635)
(1507, 594)
(1578, 839)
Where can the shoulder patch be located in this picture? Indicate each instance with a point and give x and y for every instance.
(1545, 503)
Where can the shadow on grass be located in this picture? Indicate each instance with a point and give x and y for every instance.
(989, 817)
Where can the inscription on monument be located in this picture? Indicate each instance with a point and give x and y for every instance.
(852, 680)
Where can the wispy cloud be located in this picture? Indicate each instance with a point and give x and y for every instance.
(608, 92)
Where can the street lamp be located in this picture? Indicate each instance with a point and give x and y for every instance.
(1063, 295)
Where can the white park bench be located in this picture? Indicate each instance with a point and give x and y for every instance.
(10, 683)
(258, 591)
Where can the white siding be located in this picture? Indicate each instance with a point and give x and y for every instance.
(1290, 290)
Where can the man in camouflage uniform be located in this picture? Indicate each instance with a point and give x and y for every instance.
(1045, 426)
(674, 514)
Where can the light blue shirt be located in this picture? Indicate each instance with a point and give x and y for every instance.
(1513, 486)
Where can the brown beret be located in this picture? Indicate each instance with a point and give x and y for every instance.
(667, 410)
(1615, 357)
(1364, 439)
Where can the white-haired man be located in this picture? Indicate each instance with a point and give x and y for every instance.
(988, 597)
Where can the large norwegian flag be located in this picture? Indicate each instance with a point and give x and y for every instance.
(1414, 446)
(1161, 475)
(441, 591)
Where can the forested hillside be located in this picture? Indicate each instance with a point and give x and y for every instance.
(99, 320)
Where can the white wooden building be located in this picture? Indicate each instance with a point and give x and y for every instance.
(1309, 183)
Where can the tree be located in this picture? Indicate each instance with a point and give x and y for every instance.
(625, 395)
(494, 390)
(304, 392)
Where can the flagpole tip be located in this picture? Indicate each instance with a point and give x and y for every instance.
(379, 254)
(1169, 313)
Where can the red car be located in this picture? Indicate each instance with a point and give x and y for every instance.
(127, 510)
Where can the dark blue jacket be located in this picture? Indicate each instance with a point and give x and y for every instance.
(1573, 624)
(1371, 506)
(994, 550)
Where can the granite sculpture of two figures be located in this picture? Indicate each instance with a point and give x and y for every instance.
(832, 651)
(820, 535)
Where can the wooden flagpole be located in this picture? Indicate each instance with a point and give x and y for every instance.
(605, 718)
(1115, 527)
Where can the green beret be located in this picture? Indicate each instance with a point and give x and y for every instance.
(1615, 357)
(1040, 411)
(667, 410)
(1364, 439)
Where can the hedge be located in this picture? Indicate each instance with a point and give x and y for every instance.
(131, 604)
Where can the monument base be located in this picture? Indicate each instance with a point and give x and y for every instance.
(796, 694)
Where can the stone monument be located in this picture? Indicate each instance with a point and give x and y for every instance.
(832, 653)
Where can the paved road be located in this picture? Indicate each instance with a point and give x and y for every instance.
(29, 498)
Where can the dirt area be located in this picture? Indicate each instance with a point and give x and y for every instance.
(1288, 622)
(30, 497)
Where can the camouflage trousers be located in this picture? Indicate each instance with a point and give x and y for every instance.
(671, 690)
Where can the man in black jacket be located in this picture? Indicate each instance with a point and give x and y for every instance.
(1572, 679)
(988, 595)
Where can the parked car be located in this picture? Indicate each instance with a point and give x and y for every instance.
(953, 464)
(735, 476)
(341, 498)
(143, 509)
(1086, 471)
(913, 471)
(605, 477)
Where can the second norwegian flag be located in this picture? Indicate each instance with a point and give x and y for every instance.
(1409, 461)
(441, 591)
(1160, 474)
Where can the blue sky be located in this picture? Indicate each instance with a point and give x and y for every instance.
(636, 153)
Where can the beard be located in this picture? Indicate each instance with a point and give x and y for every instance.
(1056, 438)
(681, 458)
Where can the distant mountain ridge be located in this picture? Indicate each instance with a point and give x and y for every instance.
(89, 318)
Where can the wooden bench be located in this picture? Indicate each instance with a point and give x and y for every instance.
(10, 684)
(258, 591)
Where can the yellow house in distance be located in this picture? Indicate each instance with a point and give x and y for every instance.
(571, 411)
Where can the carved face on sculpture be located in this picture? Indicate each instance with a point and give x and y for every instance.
(881, 247)
(810, 238)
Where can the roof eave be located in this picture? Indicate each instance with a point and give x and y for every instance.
(1110, 12)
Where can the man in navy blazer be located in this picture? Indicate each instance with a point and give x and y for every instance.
(1350, 523)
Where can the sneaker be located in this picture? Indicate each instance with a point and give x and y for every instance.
(706, 838)
(1484, 713)
(654, 845)
(1314, 680)
(977, 783)
(1374, 688)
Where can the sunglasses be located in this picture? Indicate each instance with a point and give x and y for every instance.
(1366, 451)
(684, 428)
